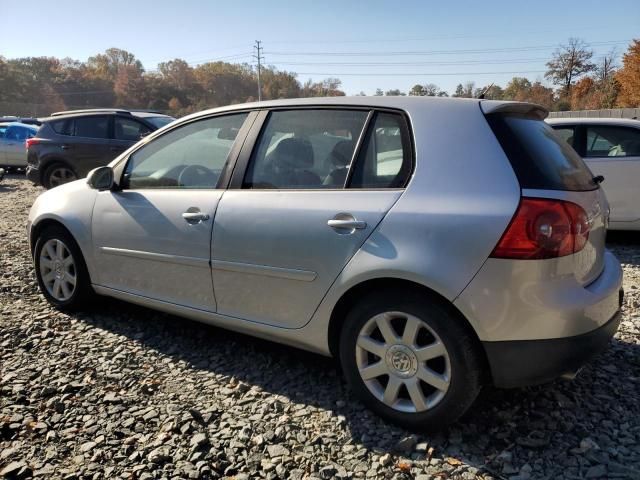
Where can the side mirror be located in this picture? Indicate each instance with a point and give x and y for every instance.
(100, 178)
(1, 174)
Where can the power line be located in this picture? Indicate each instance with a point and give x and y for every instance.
(366, 74)
(433, 37)
(439, 63)
(440, 52)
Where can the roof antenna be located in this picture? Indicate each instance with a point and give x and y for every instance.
(485, 91)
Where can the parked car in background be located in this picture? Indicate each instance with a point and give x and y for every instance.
(27, 120)
(611, 148)
(362, 228)
(12, 143)
(70, 144)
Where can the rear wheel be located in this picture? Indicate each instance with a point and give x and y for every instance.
(58, 174)
(60, 269)
(410, 359)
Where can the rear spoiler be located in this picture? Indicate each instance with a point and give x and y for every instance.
(523, 108)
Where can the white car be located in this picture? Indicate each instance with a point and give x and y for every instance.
(611, 148)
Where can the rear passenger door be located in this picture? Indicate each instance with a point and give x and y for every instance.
(299, 207)
(126, 132)
(90, 146)
(614, 153)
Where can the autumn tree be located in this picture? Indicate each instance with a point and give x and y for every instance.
(129, 87)
(427, 90)
(569, 62)
(108, 64)
(628, 77)
(329, 87)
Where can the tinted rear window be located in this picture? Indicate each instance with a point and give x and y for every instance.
(540, 159)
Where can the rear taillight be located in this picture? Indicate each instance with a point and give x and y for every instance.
(31, 141)
(544, 228)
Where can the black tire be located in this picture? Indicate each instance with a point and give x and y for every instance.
(465, 358)
(82, 293)
(48, 180)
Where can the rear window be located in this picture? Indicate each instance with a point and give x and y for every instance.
(540, 159)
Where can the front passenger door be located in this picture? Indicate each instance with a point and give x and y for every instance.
(152, 237)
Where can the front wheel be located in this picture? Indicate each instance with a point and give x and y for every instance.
(58, 174)
(410, 359)
(60, 269)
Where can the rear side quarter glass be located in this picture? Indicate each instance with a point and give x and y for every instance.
(540, 159)
(385, 160)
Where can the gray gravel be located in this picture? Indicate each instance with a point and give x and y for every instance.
(124, 392)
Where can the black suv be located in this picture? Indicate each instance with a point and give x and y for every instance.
(70, 144)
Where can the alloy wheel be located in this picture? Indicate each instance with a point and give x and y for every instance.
(61, 175)
(58, 270)
(403, 362)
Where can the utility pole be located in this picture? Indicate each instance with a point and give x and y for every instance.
(258, 57)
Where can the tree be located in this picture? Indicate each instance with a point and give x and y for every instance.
(568, 63)
(606, 67)
(394, 93)
(491, 92)
(628, 77)
(329, 87)
(379, 92)
(417, 91)
(108, 64)
(129, 87)
(517, 89)
(465, 91)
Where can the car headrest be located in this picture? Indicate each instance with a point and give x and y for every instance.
(341, 154)
(293, 153)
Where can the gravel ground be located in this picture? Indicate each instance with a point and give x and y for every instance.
(125, 392)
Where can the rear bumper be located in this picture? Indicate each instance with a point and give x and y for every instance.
(538, 300)
(529, 362)
(33, 174)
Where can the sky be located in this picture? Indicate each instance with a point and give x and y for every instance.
(367, 44)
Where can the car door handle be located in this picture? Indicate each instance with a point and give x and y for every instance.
(65, 147)
(347, 224)
(195, 217)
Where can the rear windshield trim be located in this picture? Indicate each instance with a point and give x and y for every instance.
(536, 172)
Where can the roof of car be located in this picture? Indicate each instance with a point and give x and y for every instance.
(18, 124)
(401, 102)
(93, 113)
(594, 121)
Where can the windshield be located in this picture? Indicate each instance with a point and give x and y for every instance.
(159, 122)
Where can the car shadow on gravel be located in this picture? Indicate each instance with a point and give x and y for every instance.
(535, 420)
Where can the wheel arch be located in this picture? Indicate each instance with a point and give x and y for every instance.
(357, 291)
(49, 161)
(42, 225)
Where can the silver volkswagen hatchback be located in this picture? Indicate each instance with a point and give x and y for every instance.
(433, 245)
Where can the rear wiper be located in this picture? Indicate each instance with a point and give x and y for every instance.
(598, 179)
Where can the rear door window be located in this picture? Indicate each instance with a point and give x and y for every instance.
(305, 149)
(608, 141)
(129, 130)
(540, 158)
(90, 127)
